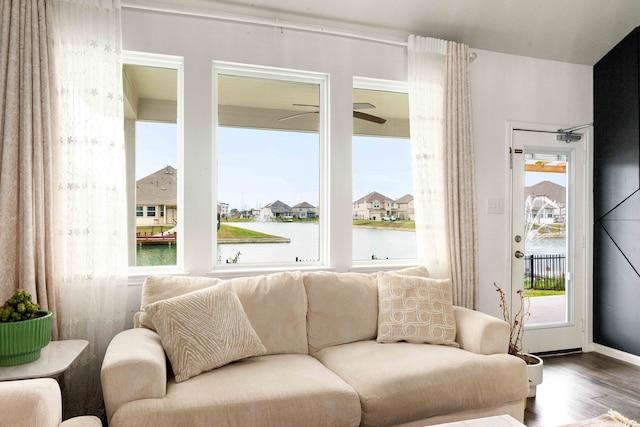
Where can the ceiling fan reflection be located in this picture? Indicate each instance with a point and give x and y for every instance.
(356, 114)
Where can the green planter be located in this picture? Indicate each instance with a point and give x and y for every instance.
(21, 342)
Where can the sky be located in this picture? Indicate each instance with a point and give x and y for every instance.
(257, 167)
(156, 147)
(532, 178)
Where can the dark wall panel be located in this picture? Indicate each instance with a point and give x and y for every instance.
(616, 133)
(616, 182)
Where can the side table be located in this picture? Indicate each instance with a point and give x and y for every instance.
(54, 359)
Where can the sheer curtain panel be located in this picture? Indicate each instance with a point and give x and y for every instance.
(90, 191)
(26, 143)
(427, 75)
(442, 163)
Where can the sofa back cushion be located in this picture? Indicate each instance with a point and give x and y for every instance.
(276, 305)
(343, 307)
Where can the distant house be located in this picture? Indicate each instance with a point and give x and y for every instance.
(376, 206)
(223, 209)
(156, 198)
(304, 210)
(545, 203)
(276, 210)
(405, 209)
(373, 206)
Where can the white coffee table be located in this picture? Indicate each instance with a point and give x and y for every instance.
(497, 421)
(54, 359)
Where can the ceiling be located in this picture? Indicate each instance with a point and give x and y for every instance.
(575, 31)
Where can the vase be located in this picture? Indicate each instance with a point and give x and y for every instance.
(21, 342)
(534, 370)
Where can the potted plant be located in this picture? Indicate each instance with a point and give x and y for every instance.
(24, 329)
(516, 326)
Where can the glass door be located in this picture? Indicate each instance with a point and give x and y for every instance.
(547, 256)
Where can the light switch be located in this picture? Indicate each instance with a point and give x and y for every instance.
(495, 206)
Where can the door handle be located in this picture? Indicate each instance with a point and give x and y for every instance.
(518, 254)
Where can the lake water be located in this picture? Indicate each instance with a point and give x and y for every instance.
(367, 242)
(546, 245)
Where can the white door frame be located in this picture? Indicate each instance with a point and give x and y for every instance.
(586, 211)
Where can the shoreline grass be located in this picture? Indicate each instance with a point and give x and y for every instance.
(229, 232)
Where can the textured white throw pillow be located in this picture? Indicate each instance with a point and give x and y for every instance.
(415, 309)
(203, 330)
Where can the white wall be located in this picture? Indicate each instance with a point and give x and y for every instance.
(505, 87)
(517, 89)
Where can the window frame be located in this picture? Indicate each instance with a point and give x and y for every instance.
(283, 74)
(368, 83)
(173, 62)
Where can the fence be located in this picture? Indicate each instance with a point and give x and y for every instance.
(544, 272)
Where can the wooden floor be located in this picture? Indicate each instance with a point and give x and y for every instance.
(576, 387)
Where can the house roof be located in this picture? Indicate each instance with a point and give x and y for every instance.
(405, 199)
(159, 188)
(303, 205)
(279, 207)
(555, 192)
(374, 195)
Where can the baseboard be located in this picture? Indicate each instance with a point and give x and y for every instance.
(558, 352)
(617, 354)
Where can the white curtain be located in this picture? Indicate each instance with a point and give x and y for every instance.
(91, 241)
(442, 163)
(427, 75)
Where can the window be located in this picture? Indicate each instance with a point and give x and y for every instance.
(152, 89)
(382, 173)
(269, 162)
(267, 176)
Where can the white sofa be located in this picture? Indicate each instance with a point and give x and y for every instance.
(321, 364)
(37, 403)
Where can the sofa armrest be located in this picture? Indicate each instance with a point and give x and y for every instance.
(134, 368)
(481, 333)
(35, 402)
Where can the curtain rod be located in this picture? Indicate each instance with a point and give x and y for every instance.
(277, 23)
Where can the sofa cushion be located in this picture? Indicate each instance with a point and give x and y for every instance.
(158, 288)
(415, 309)
(278, 390)
(343, 307)
(402, 382)
(203, 330)
(276, 305)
